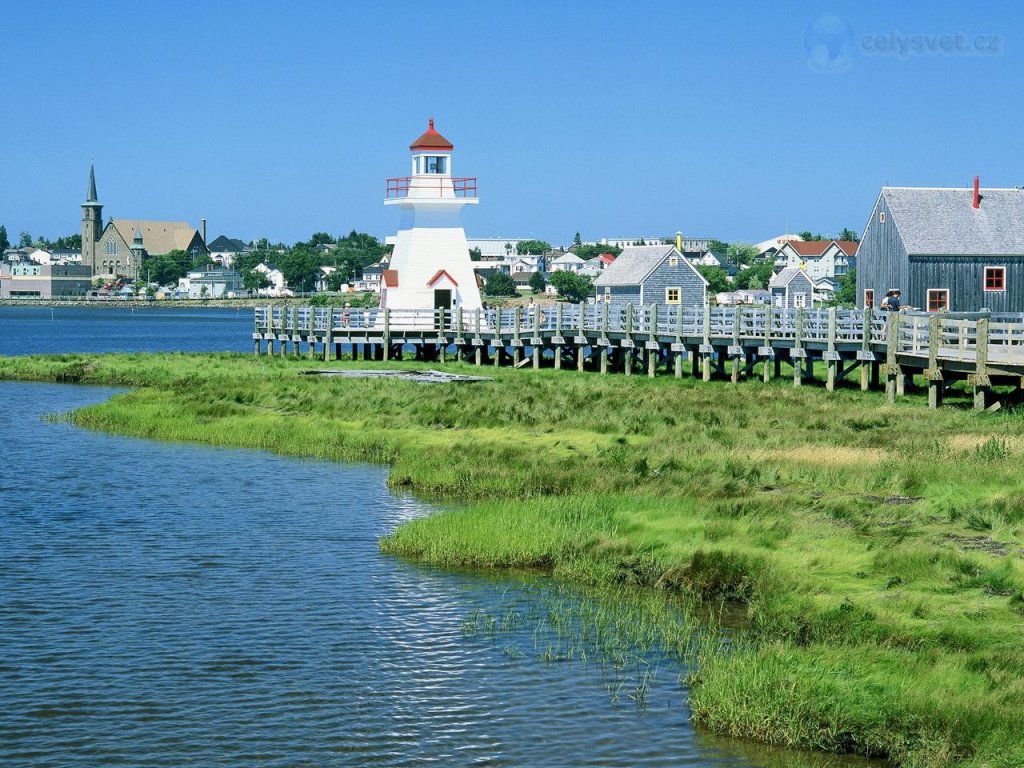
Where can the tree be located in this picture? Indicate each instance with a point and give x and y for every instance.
(849, 234)
(577, 242)
(537, 282)
(163, 269)
(718, 280)
(532, 247)
(500, 284)
(300, 267)
(475, 254)
(718, 246)
(755, 276)
(24, 240)
(587, 252)
(4, 242)
(204, 292)
(68, 242)
(741, 253)
(335, 280)
(847, 293)
(254, 280)
(321, 238)
(572, 286)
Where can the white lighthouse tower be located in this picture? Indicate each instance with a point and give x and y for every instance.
(430, 266)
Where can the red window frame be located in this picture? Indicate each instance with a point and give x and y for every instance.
(938, 299)
(869, 297)
(995, 279)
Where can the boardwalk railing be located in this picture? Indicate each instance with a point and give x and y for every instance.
(980, 347)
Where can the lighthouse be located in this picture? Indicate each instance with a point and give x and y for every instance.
(430, 267)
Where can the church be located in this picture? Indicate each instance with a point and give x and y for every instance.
(119, 248)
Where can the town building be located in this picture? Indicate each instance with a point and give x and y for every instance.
(687, 243)
(211, 284)
(566, 262)
(430, 265)
(960, 250)
(792, 288)
(224, 250)
(819, 258)
(651, 274)
(28, 279)
(119, 248)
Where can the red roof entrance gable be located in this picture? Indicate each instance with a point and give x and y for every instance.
(438, 275)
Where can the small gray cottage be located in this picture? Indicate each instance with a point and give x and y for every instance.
(959, 250)
(651, 274)
(792, 288)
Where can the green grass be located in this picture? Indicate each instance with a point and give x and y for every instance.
(876, 549)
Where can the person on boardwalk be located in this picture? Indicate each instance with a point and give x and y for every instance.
(891, 302)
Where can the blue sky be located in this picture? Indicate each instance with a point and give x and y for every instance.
(611, 118)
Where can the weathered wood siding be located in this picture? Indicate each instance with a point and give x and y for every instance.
(964, 277)
(882, 261)
(683, 276)
(620, 294)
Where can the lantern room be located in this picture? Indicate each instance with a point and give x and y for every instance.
(431, 154)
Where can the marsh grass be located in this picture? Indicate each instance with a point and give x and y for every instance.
(877, 548)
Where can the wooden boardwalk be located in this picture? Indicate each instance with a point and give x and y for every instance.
(985, 350)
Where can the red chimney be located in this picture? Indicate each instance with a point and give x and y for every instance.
(977, 194)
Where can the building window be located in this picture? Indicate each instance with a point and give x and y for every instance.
(111, 248)
(995, 278)
(800, 300)
(673, 261)
(938, 299)
(869, 297)
(672, 295)
(881, 217)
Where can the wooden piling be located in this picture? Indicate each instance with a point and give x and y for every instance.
(981, 381)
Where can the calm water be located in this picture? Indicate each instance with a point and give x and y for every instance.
(50, 330)
(163, 605)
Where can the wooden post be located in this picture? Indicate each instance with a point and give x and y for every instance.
(517, 319)
(387, 334)
(734, 362)
(766, 372)
(934, 373)
(627, 352)
(680, 351)
(256, 331)
(652, 335)
(499, 345)
(458, 335)
(981, 379)
(443, 352)
(867, 319)
(892, 369)
(798, 344)
(329, 334)
(833, 364)
(478, 347)
(705, 347)
(536, 335)
(580, 346)
(558, 334)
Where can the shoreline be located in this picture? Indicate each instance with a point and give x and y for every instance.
(877, 551)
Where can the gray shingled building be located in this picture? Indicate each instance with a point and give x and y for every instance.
(960, 250)
(651, 274)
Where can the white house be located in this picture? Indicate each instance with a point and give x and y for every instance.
(819, 258)
(568, 262)
(276, 278)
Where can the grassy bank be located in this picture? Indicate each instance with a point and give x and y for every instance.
(877, 549)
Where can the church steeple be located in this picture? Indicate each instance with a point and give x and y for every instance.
(92, 222)
(92, 185)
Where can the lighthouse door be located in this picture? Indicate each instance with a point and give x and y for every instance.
(443, 300)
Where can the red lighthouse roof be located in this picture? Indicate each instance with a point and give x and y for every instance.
(432, 140)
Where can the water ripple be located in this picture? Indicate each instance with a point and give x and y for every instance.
(163, 605)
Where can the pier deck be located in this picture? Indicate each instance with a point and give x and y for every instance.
(984, 349)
